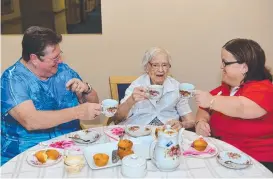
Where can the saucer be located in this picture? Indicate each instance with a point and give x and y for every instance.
(138, 130)
(233, 159)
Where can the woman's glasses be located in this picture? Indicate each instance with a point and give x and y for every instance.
(156, 66)
(228, 63)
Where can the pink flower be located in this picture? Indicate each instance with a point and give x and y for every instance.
(117, 131)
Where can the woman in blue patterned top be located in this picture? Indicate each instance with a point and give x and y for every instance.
(41, 97)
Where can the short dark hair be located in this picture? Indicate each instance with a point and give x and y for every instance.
(249, 52)
(36, 39)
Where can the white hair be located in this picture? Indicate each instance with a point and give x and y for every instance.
(151, 53)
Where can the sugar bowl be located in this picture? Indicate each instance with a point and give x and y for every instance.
(134, 166)
(74, 163)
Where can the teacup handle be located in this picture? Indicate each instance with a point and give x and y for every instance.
(152, 148)
(105, 112)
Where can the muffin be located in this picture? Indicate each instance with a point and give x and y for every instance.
(41, 156)
(52, 154)
(200, 144)
(125, 148)
(125, 144)
(123, 153)
(100, 159)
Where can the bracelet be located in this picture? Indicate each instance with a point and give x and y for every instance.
(198, 122)
(211, 103)
(89, 88)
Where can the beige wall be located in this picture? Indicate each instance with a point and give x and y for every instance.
(192, 30)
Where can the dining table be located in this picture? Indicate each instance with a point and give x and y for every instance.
(190, 166)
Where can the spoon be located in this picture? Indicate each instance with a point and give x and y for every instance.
(79, 139)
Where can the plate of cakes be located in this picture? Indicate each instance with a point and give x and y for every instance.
(138, 130)
(110, 154)
(199, 148)
(44, 157)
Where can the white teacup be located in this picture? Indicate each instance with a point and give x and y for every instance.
(109, 107)
(186, 90)
(154, 91)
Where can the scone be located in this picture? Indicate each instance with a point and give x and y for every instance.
(100, 159)
(52, 154)
(41, 156)
(200, 144)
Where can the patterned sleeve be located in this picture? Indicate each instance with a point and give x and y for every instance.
(72, 73)
(13, 92)
(183, 107)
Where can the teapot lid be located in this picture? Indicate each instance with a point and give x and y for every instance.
(168, 131)
(133, 160)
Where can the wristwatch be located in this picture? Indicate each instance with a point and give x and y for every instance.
(89, 88)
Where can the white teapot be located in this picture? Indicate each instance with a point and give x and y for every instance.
(165, 151)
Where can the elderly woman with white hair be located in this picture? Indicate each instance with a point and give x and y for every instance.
(137, 108)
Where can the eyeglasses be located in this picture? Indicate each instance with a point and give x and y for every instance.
(156, 66)
(56, 59)
(228, 63)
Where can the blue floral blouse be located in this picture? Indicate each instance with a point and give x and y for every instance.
(18, 84)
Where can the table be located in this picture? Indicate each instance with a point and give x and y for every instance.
(189, 168)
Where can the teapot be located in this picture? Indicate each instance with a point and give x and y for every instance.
(165, 151)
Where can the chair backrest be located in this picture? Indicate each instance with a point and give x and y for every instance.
(119, 84)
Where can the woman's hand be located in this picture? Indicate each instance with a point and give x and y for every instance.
(76, 85)
(203, 128)
(203, 98)
(139, 94)
(175, 124)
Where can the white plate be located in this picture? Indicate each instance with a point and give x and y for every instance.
(138, 130)
(88, 134)
(32, 160)
(139, 148)
(233, 159)
(186, 144)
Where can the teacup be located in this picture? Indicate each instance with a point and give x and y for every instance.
(109, 107)
(154, 91)
(186, 90)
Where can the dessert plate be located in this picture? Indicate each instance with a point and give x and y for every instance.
(188, 150)
(32, 160)
(85, 136)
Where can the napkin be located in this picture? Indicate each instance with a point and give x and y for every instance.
(64, 144)
(191, 151)
(114, 132)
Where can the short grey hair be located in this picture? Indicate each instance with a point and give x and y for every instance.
(151, 53)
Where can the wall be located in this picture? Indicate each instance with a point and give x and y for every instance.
(193, 31)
